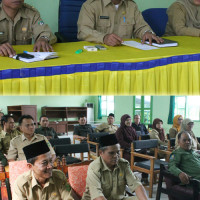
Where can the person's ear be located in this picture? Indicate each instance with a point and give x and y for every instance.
(29, 165)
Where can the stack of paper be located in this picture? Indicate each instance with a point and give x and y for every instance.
(38, 56)
(138, 45)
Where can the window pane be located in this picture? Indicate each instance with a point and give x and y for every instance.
(147, 101)
(137, 101)
(180, 106)
(138, 112)
(147, 115)
(193, 107)
(103, 98)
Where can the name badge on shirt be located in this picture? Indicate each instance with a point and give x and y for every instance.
(1, 33)
(104, 17)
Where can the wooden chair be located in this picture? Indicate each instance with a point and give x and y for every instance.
(151, 165)
(68, 149)
(93, 141)
(171, 144)
(60, 141)
(144, 137)
(174, 190)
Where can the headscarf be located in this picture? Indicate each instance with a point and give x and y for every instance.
(193, 13)
(160, 131)
(127, 131)
(175, 123)
(184, 124)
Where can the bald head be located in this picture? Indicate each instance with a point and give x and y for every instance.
(185, 140)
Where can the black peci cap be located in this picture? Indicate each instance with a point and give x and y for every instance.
(108, 140)
(36, 149)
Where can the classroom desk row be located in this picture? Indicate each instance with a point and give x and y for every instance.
(118, 70)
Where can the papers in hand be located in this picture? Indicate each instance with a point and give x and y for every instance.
(138, 45)
(38, 56)
(166, 43)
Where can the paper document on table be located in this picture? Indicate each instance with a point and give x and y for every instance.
(138, 45)
(38, 56)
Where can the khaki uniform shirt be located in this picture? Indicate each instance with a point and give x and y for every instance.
(17, 144)
(98, 18)
(2, 134)
(27, 25)
(5, 141)
(101, 181)
(105, 127)
(173, 132)
(176, 25)
(56, 188)
(155, 135)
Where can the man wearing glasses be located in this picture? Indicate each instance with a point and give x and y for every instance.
(27, 127)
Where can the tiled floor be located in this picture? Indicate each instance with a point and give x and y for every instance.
(163, 196)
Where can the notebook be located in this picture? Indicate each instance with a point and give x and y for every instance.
(166, 43)
(38, 56)
(138, 45)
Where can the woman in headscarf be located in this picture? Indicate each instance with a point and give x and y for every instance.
(158, 132)
(184, 18)
(176, 126)
(126, 134)
(187, 125)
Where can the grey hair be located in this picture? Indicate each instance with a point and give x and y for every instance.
(32, 160)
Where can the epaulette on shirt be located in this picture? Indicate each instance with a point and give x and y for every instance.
(30, 7)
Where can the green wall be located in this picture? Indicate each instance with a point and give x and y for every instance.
(49, 9)
(123, 105)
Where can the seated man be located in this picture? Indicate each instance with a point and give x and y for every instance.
(138, 126)
(111, 21)
(20, 23)
(82, 130)
(184, 161)
(1, 115)
(41, 181)
(108, 127)
(48, 132)
(8, 132)
(108, 175)
(27, 137)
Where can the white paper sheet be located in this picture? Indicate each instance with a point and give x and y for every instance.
(38, 56)
(138, 45)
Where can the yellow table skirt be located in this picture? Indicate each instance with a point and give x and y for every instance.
(172, 79)
(179, 78)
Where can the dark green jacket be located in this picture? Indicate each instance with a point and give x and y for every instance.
(185, 161)
(46, 131)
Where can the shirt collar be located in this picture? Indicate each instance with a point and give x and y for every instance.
(24, 138)
(106, 2)
(21, 13)
(35, 183)
(105, 167)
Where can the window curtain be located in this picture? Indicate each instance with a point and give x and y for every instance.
(99, 108)
(171, 110)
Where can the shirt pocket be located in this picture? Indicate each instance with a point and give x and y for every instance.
(24, 38)
(126, 27)
(103, 25)
(3, 37)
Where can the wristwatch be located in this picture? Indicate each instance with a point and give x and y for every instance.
(45, 37)
(150, 31)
